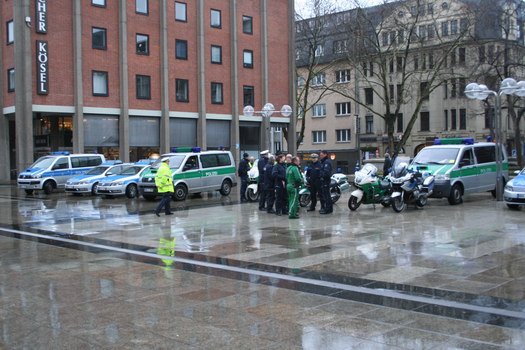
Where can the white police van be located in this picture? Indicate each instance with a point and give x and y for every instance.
(88, 182)
(53, 171)
(193, 172)
(460, 167)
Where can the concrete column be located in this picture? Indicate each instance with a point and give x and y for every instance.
(78, 117)
(124, 82)
(292, 137)
(202, 88)
(234, 133)
(23, 85)
(164, 80)
(265, 124)
(4, 123)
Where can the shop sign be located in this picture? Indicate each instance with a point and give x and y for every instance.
(41, 16)
(42, 69)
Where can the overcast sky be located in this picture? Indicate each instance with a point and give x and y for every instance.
(303, 6)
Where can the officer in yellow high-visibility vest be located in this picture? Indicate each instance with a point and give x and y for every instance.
(164, 183)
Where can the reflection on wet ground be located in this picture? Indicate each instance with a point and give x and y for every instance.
(471, 254)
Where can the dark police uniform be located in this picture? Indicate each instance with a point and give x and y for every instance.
(261, 163)
(326, 173)
(243, 174)
(279, 175)
(313, 176)
(268, 187)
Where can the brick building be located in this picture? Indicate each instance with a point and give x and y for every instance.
(132, 78)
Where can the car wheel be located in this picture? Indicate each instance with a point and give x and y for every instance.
(513, 206)
(29, 191)
(149, 198)
(398, 204)
(353, 203)
(131, 191)
(180, 193)
(455, 195)
(226, 187)
(304, 200)
(48, 187)
(251, 195)
(94, 188)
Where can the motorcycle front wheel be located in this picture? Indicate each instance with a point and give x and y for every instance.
(251, 195)
(353, 203)
(398, 204)
(422, 201)
(304, 200)
(335, 194)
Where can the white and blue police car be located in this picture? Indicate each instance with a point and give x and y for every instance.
(123, 183)
(53, 171)
(88, 182)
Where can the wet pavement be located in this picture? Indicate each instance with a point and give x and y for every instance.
(107, 273)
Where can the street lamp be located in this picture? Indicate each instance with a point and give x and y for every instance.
(266, 112)
(508, 86)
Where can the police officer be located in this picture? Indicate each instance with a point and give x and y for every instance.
(279, 176)
(294, 179)
(261, 163)
(243, 174)
(325, 174)
(387, 165)
(268, 185)
(164, 183)
(313, 176)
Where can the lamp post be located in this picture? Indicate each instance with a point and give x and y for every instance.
(357, 137)
(266, 112)
(508, 86)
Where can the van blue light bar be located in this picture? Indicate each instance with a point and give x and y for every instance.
(60, 153)
(454, 141)
(112, 162)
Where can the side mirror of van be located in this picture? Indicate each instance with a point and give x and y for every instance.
(187, 167)
(463, 163)
(516, 172)
(109, 173)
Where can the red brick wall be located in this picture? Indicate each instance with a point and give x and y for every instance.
(8, 53)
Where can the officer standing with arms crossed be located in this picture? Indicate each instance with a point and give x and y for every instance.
(326, 174)
(164, 183)
(261, 163)
(268, 184)
(279, 176)
(313, 176)
(243, 174)
(294, 179)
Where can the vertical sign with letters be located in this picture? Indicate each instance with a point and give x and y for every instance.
(42, 69)
(41, 16)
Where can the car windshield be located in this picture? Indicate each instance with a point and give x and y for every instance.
(43, 163)
(132, 170)
(431, 155)
(175, 161)
(99, 170)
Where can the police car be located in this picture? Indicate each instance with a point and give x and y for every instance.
(53, 171)
(123, 183)
(88, 182)
(514, 194)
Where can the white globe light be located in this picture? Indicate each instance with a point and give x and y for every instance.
(520, 91)
(483, 92)
(286, 111)
(268, 109)
(248, 111)
(471, 90)
(508, 86)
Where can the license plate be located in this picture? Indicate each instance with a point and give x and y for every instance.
(23, 185)
(148, 189)
(521, 195)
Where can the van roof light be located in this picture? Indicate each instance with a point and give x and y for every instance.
(61, 153)
(185, 149)
(454, 141)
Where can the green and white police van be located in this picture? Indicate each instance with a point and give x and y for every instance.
(53, 171)
(460, 167)
(193, 172)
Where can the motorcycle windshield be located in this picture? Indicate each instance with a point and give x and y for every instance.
(369, 169)
(400, 167)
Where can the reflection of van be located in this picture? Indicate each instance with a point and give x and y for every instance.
(54, 170)
(460, 167)
(193, 172)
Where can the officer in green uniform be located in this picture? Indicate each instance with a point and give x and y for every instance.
(164, 183)
(294, 180)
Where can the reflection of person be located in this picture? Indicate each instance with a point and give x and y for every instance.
(164, 183)
(294, 179)
(387, 164)
(326, 174)
(313, 176)
(243, 174)
(167, 248)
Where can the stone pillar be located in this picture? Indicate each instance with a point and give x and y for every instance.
(201, 78)
(234, 133)
(124, 82)
(164, 80)
(5, 161)
(265, 124)
(292, 137)
(78, 117)
(23, 85)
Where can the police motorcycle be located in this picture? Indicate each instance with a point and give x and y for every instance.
(370, 189)
(338, 185)
(409, 186)
(252, 191)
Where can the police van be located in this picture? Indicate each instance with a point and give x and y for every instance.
(53, 171)
(460, 167)
(193, 172)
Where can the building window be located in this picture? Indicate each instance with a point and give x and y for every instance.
(453, 88)
(319, 79)
(482, 57)
(369, 124)
(342, 108)
(445, 125)
(216, 93)
(215, 18)
(444, 28)
(431, 31)
(462, 55)
(342, 76)
(247, 25)
(142, 44)
(453, 119)
(99, 3)
(462, 85)
(319, 136)
(300, 81)
(399, 64)
(369, 96)
(11, 80)
(141, 6)
(319, 51)
(100, 83)
(181, 11)
(425, 121)
(489, 117)
(400, 122)
(248, 96)
(454, 26)
(248, 59)
(319, 111)
(463, 119)
(10, 30)
(422, 32)
(384, 38)
(423, 90)
(181, 49)
(182, 90)
(216, 54)
(143, 83)
(98, 38)
(342, 135)
(340, 46)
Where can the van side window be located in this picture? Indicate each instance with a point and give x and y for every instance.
(467, 158)
(94, 161)
(79, 162)
(209, 160)
(485, 154)
(224, 159)
(191, 163)
(61, 163)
